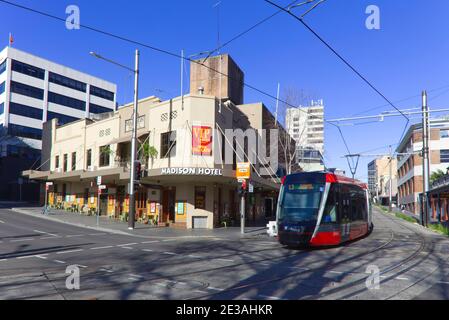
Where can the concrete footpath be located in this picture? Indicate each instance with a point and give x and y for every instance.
(141, 230)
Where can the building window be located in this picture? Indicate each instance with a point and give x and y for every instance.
(93, 108)
(105, 152)
(3, 67)
(89, 158)
(57, 162)
(168, 144)
(25, 111)
(24, 132)
(28, 69)
(73, 161)
(140, 124)
(444, 134)
(66, 162)
(67, 82)
(2, 87)
(105, 94)
(62, 119)
(200, 197)
(2, 108)
(66, 101)
(27, 90)
(444, 156)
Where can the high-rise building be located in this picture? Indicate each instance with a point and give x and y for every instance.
(306, 126)
(32, 91)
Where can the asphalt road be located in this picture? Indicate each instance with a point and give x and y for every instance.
(34, 255)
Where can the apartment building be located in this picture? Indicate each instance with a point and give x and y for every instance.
(409, 163)
(185, 183)
(306, 126)
(379, 179)
(34, 90)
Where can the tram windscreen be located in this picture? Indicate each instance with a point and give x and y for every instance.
(300, 202)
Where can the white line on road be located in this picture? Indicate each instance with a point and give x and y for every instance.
(194, 256)
(135, 275)
(3, 260)
(153, 241)
(443, 282)
(127, 244)
(74, 235)
(47, 233)
(269, 297)
(53, 237)
(299, 268)
(69, 251)
(24, 257)
(147, 250)
(41, 256)
(99, 248)
(1, 221)
(402, 278)
(216, 289)
(199, 291)
(19, 240)
(337, 272)
(166, 240)
(97, 234)
(59, 261)
(226, 260)
(106, 270)
(170, 253)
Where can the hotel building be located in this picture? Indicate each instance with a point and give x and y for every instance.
(185, 181)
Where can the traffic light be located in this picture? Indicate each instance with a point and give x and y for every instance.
(242, 188)
(138, 168)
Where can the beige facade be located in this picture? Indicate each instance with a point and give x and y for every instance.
(177, 187)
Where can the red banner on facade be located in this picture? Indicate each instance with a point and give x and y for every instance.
(201, 141)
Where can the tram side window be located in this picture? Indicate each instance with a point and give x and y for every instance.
(330, 210)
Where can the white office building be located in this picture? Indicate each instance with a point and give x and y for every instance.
(34, 90)
(306, 126)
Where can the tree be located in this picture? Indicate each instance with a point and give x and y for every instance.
(292, 98)
(147, 152)
(436, 175)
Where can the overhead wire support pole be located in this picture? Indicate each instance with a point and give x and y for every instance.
(425, 155)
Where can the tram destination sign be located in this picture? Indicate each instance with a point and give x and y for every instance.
(191, 171)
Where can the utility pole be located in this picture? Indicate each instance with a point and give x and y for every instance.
(391, 181)
(132, 203)
(425, 155)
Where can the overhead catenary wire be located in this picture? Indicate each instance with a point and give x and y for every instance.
(163, 51)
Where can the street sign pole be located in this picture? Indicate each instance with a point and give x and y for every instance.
(98, 206)
(242, 214)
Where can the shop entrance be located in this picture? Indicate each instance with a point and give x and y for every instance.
(168, 205)
(103, 205)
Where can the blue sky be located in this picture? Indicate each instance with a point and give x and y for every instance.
(408, 54)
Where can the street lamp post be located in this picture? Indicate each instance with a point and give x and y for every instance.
(132, 205)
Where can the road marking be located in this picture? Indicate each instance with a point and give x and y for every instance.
(270, 297)
(1, 221)
(69, 251)
(128, 248)
(170, 253)
(337, 272)
(3, 259)
(135, 276)
(402, 278)
(160, 284)
(41, 257)
(216, 289)
(299, 268)
(59, 261)
(50, 237)
(99, 248)
(147, 250)
(199, 291)
(97, 234)
(443, 282)
(24, 257)
(153, 241)
(166, 240)
(226, 260)
(80, 265)
(74, 235)
(48, 233)
(19, 240)
(106, 270)
(127, 244)
(193, 256)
